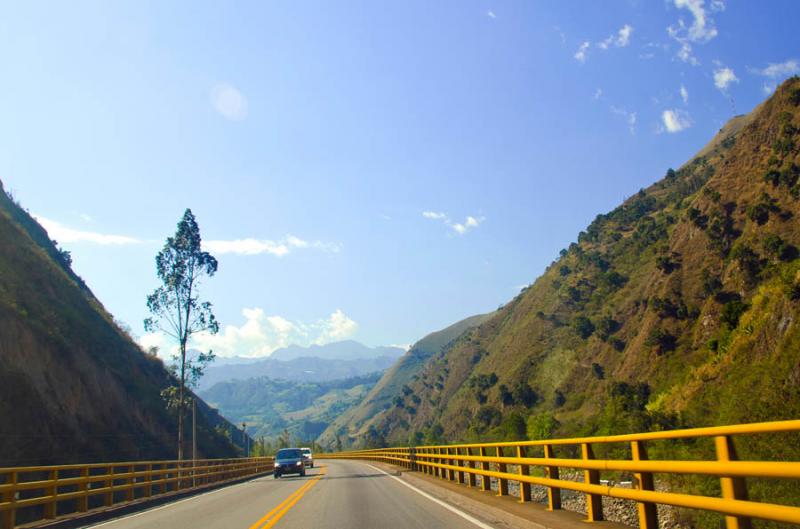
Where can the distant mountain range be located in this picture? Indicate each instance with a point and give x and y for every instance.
(316, 363)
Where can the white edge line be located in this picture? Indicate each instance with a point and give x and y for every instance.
(170, 504)
(436, 500)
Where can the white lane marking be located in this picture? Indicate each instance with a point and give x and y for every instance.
(436, 500)
(171, 504)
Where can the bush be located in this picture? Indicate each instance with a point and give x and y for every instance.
(513, 427)
(662, 340)
(583, 326)
(524, 394)
(758, 213)
(598, 371)
(606, 326)
(541, 426)
(777, 248)
(616, 343)
(731, 312)
(712, 285)
(487, 417)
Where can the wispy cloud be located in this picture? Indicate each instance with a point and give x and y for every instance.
(561, 34)
(64, 234)
(684, 95)
(580, 55)
(250, 246)
(702, 28)
(229, 102)
(723, 78)
(260, 334)
(620, 39)
(491, 14)
(776, 72)
(459, 227)
(630, 117)
(597, 94)
(675, 120)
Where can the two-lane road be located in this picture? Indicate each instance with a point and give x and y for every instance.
(342, 495)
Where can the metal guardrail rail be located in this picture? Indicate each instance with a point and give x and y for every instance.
(465, 463)
(45, 492)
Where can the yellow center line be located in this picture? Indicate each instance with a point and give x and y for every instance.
(272, 517)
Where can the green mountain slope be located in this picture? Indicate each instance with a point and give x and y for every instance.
(680, 307)
(73, 386)
(303, 408)
(353, 426)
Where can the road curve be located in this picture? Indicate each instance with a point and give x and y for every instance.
(345, 494)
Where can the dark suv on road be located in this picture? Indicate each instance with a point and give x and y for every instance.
(289, 461)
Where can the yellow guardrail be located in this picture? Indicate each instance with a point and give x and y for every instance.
(45, 492)
(466, 463)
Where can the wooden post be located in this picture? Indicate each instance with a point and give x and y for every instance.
(486, 482)
(148, 478)
(51, 490)
(594, 502)
(732, 488)
(524, 470)
(129, 494)
(551, 472)
(108, 497)
(9, 517)
(460, 464)
(83, 501)
(502, 483)
(648, 516)
(451, 474)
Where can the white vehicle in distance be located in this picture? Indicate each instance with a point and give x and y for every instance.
(308, 457)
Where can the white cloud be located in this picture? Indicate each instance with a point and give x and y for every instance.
(260, 334)
(621, 39)
(491, 14)
(630, 117)
(702, 28)
(459, 227)
(229, 101)
(435, 215)
(684, 95)
(597, 94)
(63, 234)
(580, 55)
(675, 120)
(724, 77)
(780, 69)
(561, 34)
(280, 248)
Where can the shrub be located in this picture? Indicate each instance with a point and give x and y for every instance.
(505, 395)
(662, 340)
(777, 248)
(606, 326)
(559, 399)
(524, 394)
(541, 426)
(712, 284)
(616, 343)
(598, 371)
(583, 326)
(487, 417)
(513, 427)
(758, 213)
(731, 312)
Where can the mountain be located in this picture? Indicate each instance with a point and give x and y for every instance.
(354, 424)
(316, 363)
(304, 409)
(73, 386)
(345, 350)
(681, 307)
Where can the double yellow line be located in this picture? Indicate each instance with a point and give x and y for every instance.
(272, 517)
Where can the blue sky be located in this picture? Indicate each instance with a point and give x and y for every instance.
(366, 170)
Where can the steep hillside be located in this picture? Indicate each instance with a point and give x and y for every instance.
(354, 424)
(680, 307)
(304, 409)
(73, 387)
(304, 367)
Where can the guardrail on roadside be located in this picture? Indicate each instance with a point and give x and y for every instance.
(466, 463)
(45, 492)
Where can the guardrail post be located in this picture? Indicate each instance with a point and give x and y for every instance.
(412, 456)
(437, 472)
(9, 516)
(108, 497)
(732, 488)
(148, 478)
(648, 516)
(50, 506)
(502, 483)
(551, 472)
(486, 482)
(470, 465)
(451, 474)
(129, 494)
(524, 470)
(460, 463)
(594, 502)
(83, 501)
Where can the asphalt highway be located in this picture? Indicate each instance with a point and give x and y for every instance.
(339, 495)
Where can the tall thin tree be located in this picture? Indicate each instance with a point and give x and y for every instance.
(177, 311)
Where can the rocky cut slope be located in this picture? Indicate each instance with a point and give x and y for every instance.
(680, 307)
(73, 386)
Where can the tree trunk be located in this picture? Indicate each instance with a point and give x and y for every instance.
(180, 402)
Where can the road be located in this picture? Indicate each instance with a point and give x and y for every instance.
(340, 495)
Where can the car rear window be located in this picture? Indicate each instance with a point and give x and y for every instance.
(288, 454)
(306, 451)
